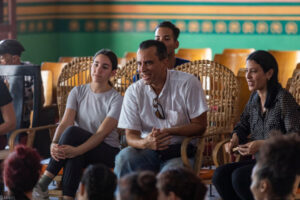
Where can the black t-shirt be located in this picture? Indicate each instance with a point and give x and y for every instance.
(5, 97)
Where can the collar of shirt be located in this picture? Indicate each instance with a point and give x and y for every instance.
(163, 91)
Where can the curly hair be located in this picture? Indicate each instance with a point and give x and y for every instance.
(279, 163)
(183, 182)
(22, 170)
(138, 186)
(100, 182)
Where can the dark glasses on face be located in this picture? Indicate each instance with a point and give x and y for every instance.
(159, 112)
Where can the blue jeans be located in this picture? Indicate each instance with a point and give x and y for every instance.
(131, 159)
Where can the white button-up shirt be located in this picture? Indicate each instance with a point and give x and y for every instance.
(182, 98)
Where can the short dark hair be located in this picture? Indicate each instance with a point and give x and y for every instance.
(161, 49)
(111, 55)
(168, 24)
(183, 182)
(22, 170)
(138, 186)
(279, 162)
(10, 46)
(100, 182)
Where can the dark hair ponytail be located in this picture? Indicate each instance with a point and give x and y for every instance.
(111, 56)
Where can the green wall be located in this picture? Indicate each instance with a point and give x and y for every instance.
(52, 28)
(48, 47)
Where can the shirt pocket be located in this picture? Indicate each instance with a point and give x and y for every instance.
(175, 118)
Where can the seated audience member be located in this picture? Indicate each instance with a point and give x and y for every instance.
(137, 186)
(21, 172)
(94, 110)
(180, 184)
(97, 182)
(7, 114)
(10, 54)
(158, 112)
(270, 107)
(276, 174)
(168, 33)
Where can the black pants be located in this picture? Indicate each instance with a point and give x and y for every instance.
(73, 167)
(233, 180)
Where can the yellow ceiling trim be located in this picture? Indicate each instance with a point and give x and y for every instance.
(162, 9)
(149, 17)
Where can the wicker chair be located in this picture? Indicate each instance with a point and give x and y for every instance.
(294, 88)
(124, 76)
(127, 57)
(289, 82)
(221, 89)
(73, 74)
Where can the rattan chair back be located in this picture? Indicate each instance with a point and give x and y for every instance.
(294, 88)
(124, 76)
(220, 86)
(221, 90)
(73, 74)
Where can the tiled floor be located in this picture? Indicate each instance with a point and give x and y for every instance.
(212, 194)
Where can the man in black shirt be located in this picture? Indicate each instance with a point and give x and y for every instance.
(7, 114)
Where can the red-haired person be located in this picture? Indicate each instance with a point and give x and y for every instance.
(21, 172)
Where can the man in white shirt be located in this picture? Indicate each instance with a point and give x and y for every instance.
(158, 112)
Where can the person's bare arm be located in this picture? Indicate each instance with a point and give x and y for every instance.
(9, 119)
(196, 127)
(67, 120)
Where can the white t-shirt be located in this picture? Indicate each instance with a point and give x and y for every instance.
(182, 98)
(92, 108)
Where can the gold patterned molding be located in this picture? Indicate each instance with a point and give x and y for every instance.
(187, 26)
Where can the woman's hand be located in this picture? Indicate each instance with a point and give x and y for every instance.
(69, 151)
(250, 148)
(56, 153)
(234, 141)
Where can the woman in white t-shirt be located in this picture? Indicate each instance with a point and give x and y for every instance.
(87, 133)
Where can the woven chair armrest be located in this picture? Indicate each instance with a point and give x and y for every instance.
(187, 140)
(31, 133)
(216, 151)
